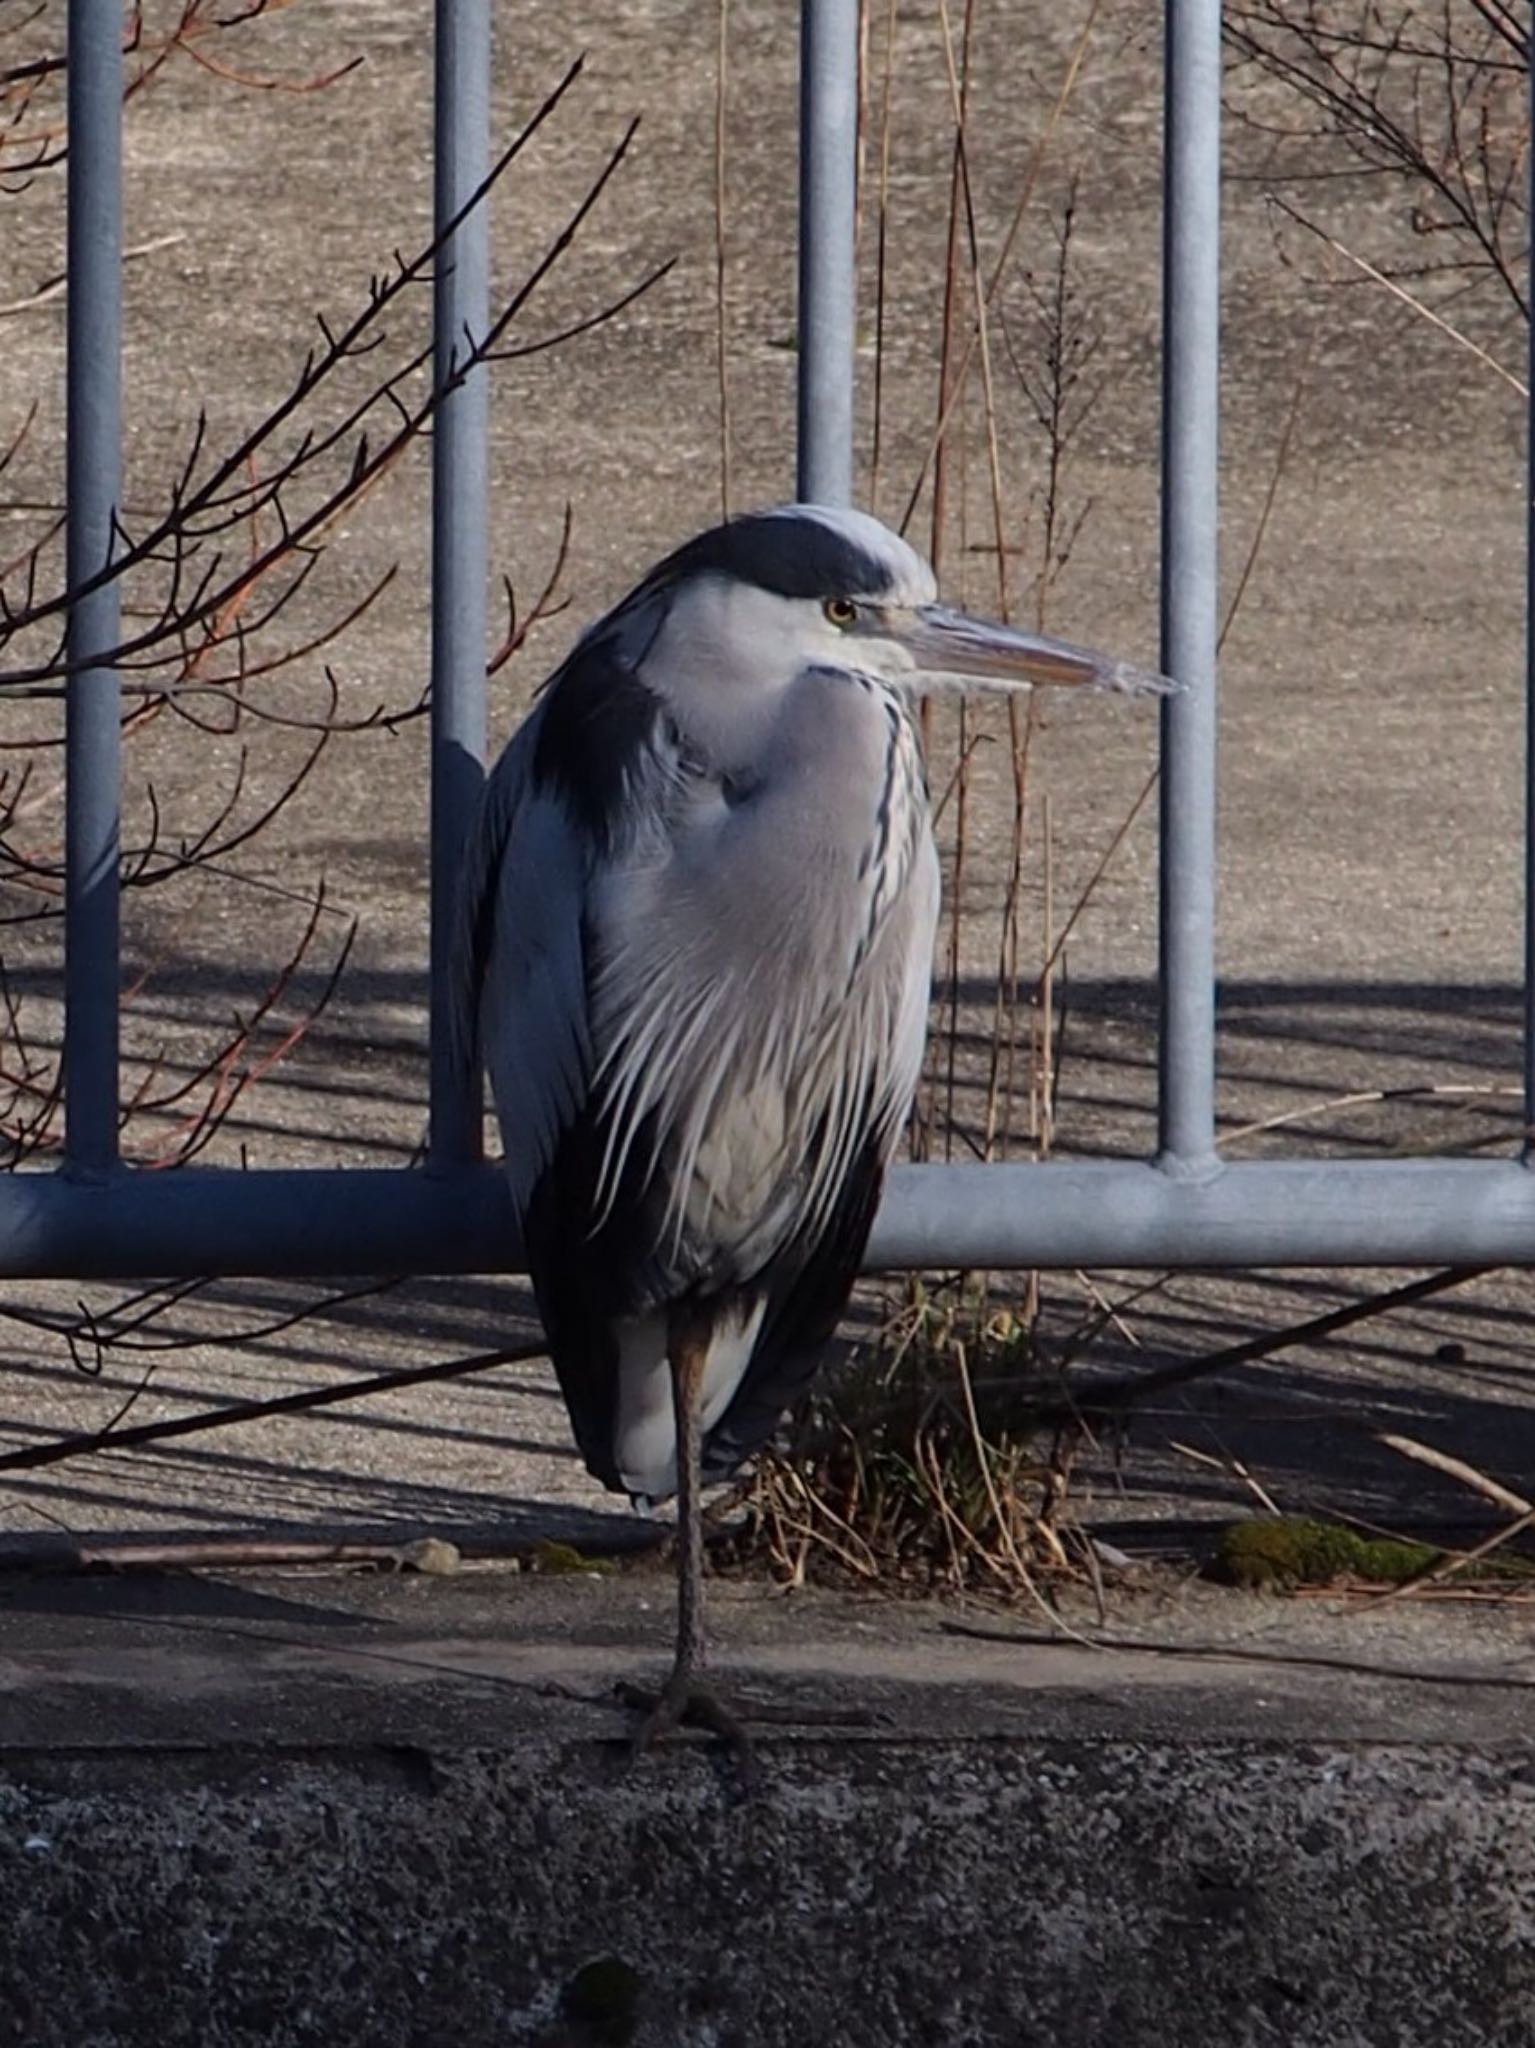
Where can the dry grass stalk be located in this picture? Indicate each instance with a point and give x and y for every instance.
(1227, 1463)
(1457, 1468)
(1399, 291)
(911, 1469)
(1457, 1561)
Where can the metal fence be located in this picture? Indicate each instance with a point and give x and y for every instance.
(94, 1217)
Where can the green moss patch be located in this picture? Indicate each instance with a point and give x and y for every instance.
(1280, 1554)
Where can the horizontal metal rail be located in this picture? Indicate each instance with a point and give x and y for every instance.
(1398, 1212)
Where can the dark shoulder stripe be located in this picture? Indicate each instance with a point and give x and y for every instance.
(599, 725)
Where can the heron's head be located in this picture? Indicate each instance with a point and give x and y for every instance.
(769, 594)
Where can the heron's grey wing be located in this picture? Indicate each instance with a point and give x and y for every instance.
(808, 1289)
(518, 988)
(520, 1005)
(585, 776)
(810, 1280)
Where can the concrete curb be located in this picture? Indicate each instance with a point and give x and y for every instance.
(877, 1891)
(397, 1813)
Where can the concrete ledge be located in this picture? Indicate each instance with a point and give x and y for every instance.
(879, 1892)
(216, 1828)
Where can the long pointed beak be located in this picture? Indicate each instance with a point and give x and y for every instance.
(952, 649)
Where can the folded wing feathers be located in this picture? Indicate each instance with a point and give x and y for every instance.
(755, 1089)
(754, 1101)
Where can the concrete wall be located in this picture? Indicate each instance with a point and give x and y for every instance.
(877, 1891)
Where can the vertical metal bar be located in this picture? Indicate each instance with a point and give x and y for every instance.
(1190, 419)
(461, 300)
(1529, 689)
(828, 142)
(93, 441)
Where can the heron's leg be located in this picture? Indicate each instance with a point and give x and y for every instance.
(688, 1355)
(684, 1697)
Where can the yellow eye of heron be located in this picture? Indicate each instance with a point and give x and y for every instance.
(841, 611)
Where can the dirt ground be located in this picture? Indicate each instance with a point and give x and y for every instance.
(1370, 922)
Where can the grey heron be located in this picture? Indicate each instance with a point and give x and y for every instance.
(699, 902)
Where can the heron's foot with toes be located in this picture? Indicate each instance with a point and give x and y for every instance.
(685, 1701)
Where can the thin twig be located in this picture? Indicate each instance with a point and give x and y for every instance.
(1397, 291)
(430, 1554)
(56, 287)
(1026, 193)
(1457, 1468)
(1127, 1393)
(1237, 1653)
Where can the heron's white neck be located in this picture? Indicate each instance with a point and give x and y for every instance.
(722, 661)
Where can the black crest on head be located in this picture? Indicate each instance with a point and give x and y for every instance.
(791, 554)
